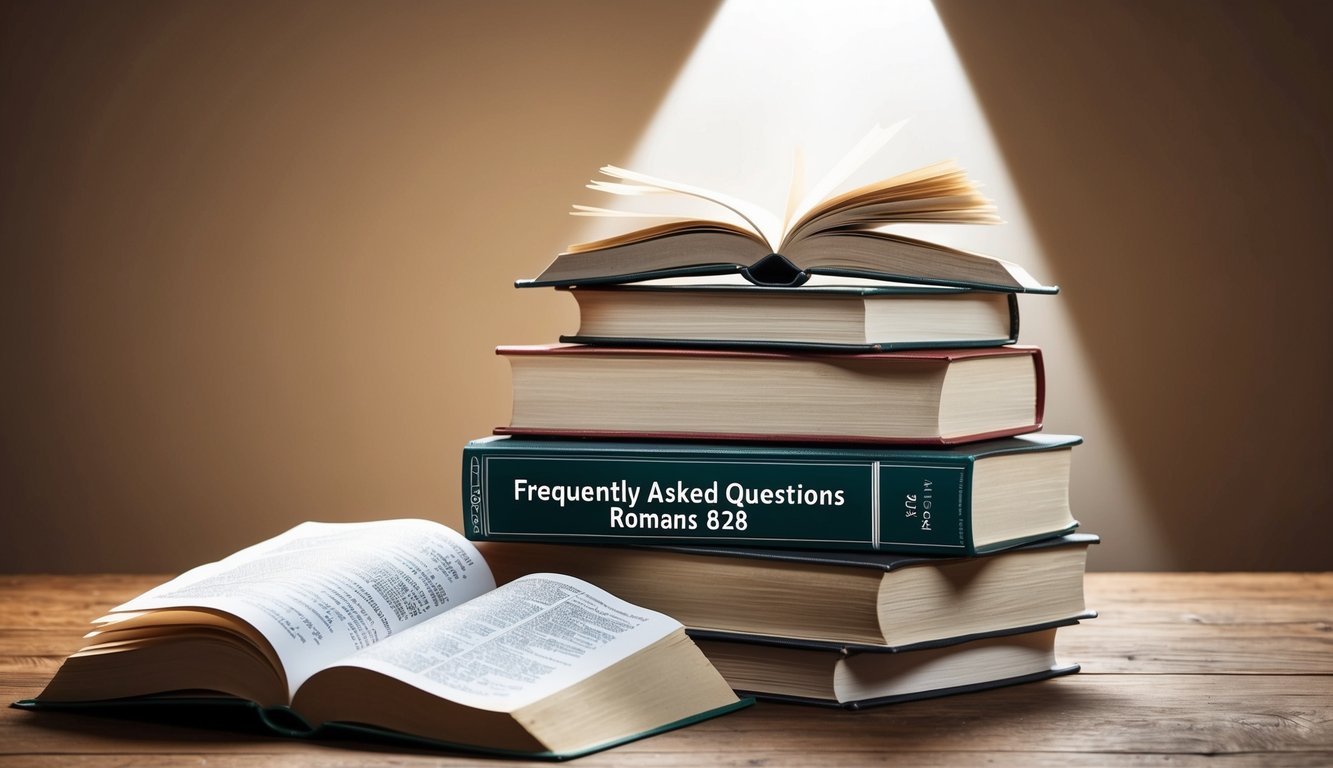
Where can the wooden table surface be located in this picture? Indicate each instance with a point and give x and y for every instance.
(1179, 670)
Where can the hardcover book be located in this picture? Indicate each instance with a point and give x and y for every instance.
(821, 232)
(863, 676)
(959, 500)
(927, 396)
(396, 628)
(711, 312)
(841, 598)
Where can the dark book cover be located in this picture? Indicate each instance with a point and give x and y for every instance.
(761, 495)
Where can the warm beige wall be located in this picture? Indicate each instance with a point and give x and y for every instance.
(1176, 162)
(255, 256)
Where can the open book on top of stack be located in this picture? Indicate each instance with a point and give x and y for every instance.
(893, 346)
(821, 233)
(795, 406)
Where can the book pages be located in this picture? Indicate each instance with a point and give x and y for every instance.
(321, 591)
(764, 223)
(856, 157)
(518, 644)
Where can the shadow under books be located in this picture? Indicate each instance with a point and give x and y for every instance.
(1195, 290)
(153, 726)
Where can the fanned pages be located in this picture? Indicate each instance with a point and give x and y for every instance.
(764, 225)
(821, 232)
(857, 157)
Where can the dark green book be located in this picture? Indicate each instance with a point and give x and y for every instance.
(957, 500)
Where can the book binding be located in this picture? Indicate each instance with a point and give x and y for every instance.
(909, 501)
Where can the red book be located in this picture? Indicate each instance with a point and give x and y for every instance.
(936, 396)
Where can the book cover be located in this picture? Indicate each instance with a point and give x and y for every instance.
(759, 495)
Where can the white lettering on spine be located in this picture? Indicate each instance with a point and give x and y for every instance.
(676, 521)
(620, 492)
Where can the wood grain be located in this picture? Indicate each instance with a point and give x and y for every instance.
(1179, 670)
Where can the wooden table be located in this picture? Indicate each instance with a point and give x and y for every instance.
(1179, 670)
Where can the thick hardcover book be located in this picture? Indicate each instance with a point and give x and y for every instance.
(959, 500)
(856, 318)
(923, 397)
(836, 600)
(855, 677)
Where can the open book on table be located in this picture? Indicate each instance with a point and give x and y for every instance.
(820, 233)
(397, 628)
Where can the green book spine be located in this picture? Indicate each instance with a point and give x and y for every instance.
(783, 496)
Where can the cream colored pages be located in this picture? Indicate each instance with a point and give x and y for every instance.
(856, 157)
(762, 222)
(322, 591)
(771, 229)
(530, 638)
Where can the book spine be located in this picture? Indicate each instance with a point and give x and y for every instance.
(1013, 318)
(781, 498)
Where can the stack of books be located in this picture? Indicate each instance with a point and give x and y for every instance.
(827, 464)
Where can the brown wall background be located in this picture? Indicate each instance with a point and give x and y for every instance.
(1175, 161)
(255, 257)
